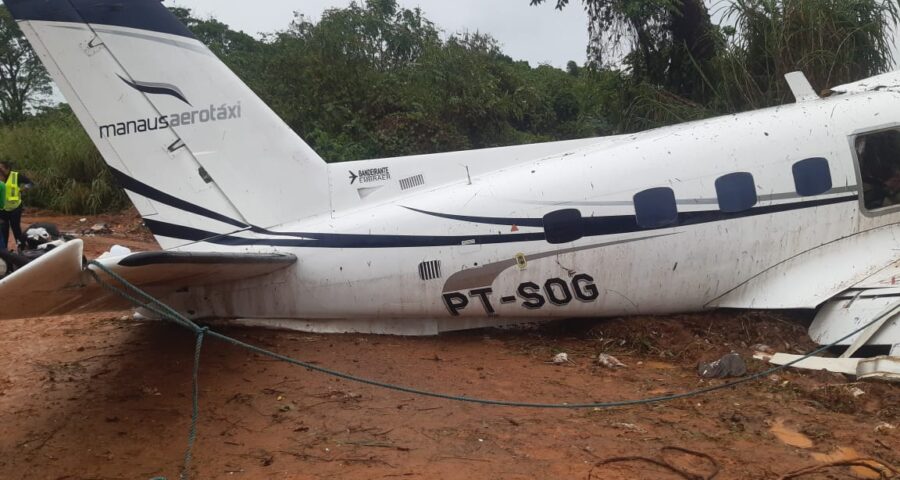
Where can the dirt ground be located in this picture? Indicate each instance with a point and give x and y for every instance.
(106, 397)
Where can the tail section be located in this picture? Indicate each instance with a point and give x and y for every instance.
(190, 142)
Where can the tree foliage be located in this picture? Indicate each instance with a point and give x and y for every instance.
(682, 66)
(375, 79)
(24, 82)
(831, 41)
(663, 42)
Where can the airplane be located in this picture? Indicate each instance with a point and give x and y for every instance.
(792, 207)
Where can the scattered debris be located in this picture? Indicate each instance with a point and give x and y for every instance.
(561, 358)
(150, 391)
(116, 251)
(731, 365)
(609, 361)
(884, 368)
(856, 392)
(98, 229)
(630, 427)
(762, 348)
(884, 427)
(763, 356)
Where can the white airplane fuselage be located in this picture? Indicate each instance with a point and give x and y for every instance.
(615, 268)
(764, 209)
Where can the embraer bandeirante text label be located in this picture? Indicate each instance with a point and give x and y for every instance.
(554, 292)
(370, 175)
(212, 114)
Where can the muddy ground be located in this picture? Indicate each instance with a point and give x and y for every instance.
(105, 397)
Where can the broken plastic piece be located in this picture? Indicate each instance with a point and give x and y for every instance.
(879, 368)
(561, 358)
(116, 251)
(609, 361)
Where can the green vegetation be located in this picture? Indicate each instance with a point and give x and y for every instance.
(376, 80)
(680, 66)
(54, 150)
(23, 80)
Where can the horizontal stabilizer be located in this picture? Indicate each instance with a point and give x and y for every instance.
(57, 283)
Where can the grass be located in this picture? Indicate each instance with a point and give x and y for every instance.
(55, 152)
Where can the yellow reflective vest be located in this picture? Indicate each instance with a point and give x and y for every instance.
(11, 194)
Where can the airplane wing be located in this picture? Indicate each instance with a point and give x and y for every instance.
(57, 283)
(858, 305)
(808, 280)
(849, 281)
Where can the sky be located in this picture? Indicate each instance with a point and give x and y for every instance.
(540, 34)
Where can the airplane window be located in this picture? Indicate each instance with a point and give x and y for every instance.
(878, 155)
(656, 208)
(736, 192)
(563, 226)
(812, 177)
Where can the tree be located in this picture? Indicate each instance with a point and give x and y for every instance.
(337, 82)
(683, 67)
(374, 79)
(667, 41)
(221, 39)
(24, 82)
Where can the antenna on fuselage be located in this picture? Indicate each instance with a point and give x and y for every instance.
(801, 88)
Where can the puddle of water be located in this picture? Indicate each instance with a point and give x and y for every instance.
(846, 453)
(790, 436)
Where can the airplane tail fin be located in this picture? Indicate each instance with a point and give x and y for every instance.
(193, 146)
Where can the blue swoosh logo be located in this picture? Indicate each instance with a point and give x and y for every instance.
(157, 89)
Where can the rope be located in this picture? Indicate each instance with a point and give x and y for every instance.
(142, 299)
(166, 312)
(195, 405)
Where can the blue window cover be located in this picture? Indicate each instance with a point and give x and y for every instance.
(656, 208)
(736, 192)
(563, 226)
(812, 177)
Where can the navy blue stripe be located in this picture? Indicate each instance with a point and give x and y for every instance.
(144, 259)
(612, 224)
(697, 218)
(593, 226)
(149, 15)
(140, 188)
(599, 226)
(333, 240)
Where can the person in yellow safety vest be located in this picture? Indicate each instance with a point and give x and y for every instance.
(14, 183)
